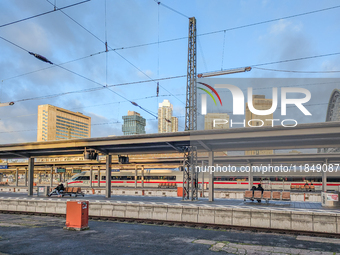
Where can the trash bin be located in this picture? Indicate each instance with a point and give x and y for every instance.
(330, 199)
(42, 191)
(77, 215)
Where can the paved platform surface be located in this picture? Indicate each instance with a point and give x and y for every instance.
(282, 205)
(24, 234)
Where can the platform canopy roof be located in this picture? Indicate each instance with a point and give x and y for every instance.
(316, 135)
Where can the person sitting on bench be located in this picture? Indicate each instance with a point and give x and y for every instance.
(253, 189)
(60, 188)
(259, 187)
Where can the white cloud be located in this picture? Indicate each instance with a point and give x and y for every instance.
(284, 26)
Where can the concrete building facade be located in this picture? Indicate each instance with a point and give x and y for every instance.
(134, 124)
(333, 114)
(166, 122)
(260, 102)
(55, 123)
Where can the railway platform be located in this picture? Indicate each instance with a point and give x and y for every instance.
(304, 217)
(220, 202)
(144, 238)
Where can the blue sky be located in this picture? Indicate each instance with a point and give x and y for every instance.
(135, 22)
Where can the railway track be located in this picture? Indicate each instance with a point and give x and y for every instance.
(189, 224)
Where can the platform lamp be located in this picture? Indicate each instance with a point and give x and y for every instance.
(6, 104)
(223, 72)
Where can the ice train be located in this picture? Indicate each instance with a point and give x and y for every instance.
(153, 178)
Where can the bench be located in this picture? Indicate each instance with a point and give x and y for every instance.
(167, 185)
(276, 195)
(286, 195)
(257, 195)
(267, 195)
(302, 187)
(76, 191)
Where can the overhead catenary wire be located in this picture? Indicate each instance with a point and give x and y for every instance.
(288, 60)
(94, 89)
(52, 66)
(169, 40)
(202, 54)
(41, 14)
(223, 49)
(112, 49)
(294, 71)
(168, 7)
(75, 21)
(97, 83)
(146, 81)
(231, 28)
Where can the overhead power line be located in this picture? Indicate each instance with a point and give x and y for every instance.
(52, 66)
(94, 89)
(120, 55)
(168, 7)
(230, 29)
(293, 71)
(44, 13)
(95, 82)
(164, 41)
(131, 83)
(296, 59)
(74, 20)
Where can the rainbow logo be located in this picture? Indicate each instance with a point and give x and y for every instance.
(209, 93)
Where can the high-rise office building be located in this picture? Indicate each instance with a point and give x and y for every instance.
(134, 124)
(56, 123)
(166, 123)
(174, 124)
(221, 121)
(260, 103)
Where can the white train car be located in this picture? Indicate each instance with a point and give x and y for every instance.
(152, 179)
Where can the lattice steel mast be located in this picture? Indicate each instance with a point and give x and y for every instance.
(190, 176)
(191, 95)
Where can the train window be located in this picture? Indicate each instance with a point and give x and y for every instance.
(227, 178)
(84, 178)
(333, 179)
(172, 178)
(96, 177)
(103, 178)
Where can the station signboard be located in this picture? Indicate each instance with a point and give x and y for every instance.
(76, 171)
(3, 166)
(60, 170)
(115, 170)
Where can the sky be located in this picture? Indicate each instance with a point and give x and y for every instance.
(73, 40)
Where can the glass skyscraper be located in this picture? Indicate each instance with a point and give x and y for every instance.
(134, 124)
